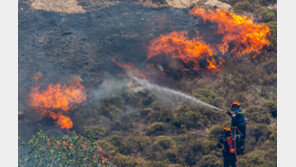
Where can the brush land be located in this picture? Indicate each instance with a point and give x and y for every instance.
(136, 127)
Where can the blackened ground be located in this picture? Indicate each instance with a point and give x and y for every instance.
(61, 44)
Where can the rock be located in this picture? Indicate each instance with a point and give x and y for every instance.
(184, 3)
(67, 6)
(218, 4)
(90, 5)
(76, 78)
(181, 3)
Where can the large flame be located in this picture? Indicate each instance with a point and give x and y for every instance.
(189, 51)
(57, 100)
(242, 31)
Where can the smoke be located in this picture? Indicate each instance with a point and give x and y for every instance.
(170, 92)
(109, 88)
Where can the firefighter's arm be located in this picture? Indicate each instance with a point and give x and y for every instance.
(228, 113)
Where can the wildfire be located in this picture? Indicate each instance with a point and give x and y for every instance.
(189, 51)
(129, 67)
(57, 100)
(242, 31)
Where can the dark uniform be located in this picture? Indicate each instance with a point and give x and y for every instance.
(227, 140)
(238, 121)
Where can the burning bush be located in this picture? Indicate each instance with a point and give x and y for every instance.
(240, 31)
(239, 35)
(57, 100)
(189, 51)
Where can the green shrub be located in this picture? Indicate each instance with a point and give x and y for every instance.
(94, 132)
(156, 128)
(256, 114)
(209, 161)
(271, 107)
(267, 16)
(124, 161)
(255, 158)
(163, 141)
(145, 111)
(273, 35)
(215, 132)
(244, 6)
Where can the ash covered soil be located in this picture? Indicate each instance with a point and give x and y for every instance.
(59, 44)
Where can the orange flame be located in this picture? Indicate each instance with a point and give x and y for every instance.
(129, 67)
(242, 31)
(190, 51)
(57, 97)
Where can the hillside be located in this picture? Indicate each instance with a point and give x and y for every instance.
(102, 46)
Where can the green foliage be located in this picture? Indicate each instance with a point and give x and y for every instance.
(257, 158)
(209, 161)
(256, 114)
(273, 36)
(271, 107)
(156, 128)
(242, 6)
(72, 150)
(216, 131)
(163, 141)
(267, 15)
(94, 132)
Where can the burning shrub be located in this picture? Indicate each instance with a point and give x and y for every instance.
(57, 100)
(193, 53)
(239, 35)
(243, 32)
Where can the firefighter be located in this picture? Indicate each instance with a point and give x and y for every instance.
(238, 121)
(229, 152)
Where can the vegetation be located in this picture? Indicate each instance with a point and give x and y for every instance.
(72, 150)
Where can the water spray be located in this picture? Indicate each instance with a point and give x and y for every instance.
(146, 84)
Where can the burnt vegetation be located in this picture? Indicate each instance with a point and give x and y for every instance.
(139, 129)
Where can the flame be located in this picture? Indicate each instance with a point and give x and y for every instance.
(60, 98)
(129, 67)
(242, 31)
(178, 46)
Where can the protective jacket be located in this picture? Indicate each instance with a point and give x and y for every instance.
(238, 118)
(229, 158)
(228, 142)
